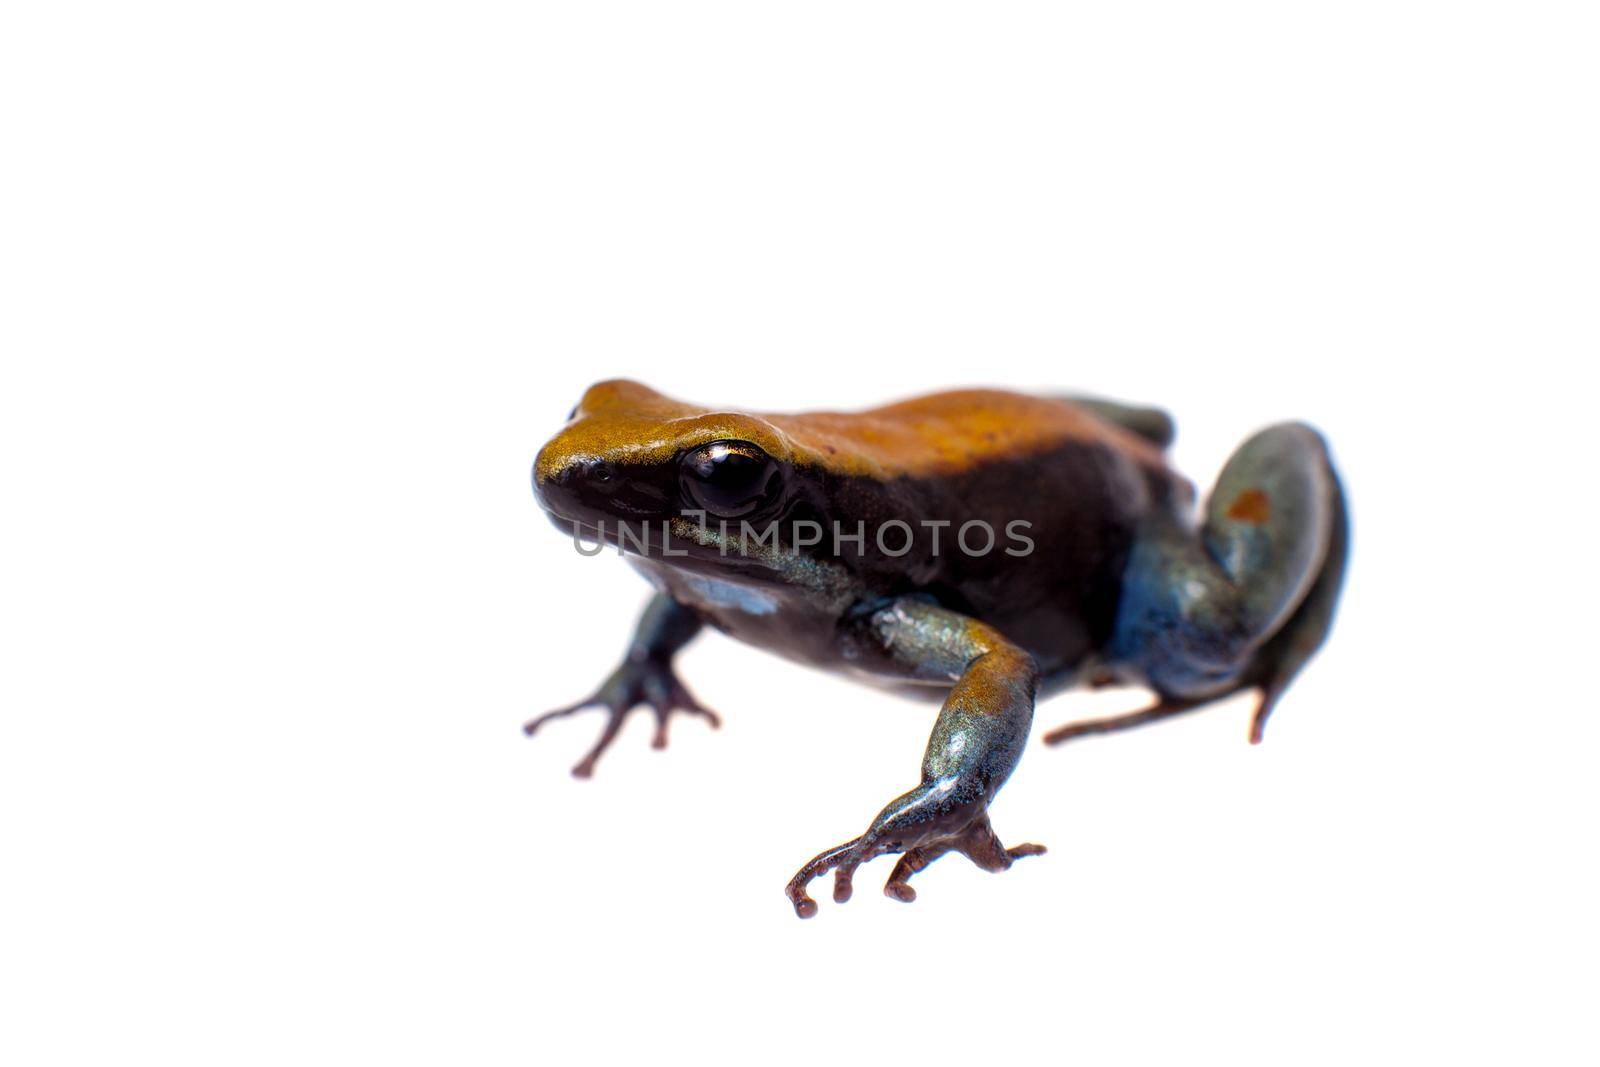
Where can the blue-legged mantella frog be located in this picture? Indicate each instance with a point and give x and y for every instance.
(980, 546)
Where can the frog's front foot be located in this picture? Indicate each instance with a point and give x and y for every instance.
(922, 828)
(645, 681)
(975, 744)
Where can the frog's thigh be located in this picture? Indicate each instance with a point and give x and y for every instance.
(1196, 608)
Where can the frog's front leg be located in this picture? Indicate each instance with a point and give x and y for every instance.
(976, 743)
(645, 677)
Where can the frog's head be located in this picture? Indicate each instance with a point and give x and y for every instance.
(630, 455)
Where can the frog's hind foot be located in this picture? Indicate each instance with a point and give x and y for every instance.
(976, 841)
(648, 682)
(1163, 708)
(1277, 673)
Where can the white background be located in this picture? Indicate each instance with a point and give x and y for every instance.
(292, 293)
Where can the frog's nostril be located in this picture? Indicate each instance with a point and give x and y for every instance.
(554, 490)
(552, 480)
(566, 484)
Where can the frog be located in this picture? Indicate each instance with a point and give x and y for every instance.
(984, 548)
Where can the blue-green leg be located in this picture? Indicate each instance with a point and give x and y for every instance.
(1245, 603)
(976, 742)
(644, 677)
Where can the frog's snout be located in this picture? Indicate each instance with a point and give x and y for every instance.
(558, 481)
(583, 488)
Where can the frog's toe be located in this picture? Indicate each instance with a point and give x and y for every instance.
(843, 859)
(616, 713)
(531, 727)
(898, 887)
(615, 716)
(671, 696)
(1162, 708)
(978, 842)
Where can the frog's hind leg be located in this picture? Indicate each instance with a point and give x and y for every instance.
(1152, 424)
(1247, 602)
(1288, 651)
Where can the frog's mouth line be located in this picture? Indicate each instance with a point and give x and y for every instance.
(583, 531)
(671, 550)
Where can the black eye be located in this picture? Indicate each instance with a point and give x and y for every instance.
(729, 479)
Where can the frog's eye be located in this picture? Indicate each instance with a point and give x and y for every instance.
(729, 479)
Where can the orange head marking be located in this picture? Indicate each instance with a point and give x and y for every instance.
(627, 424)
